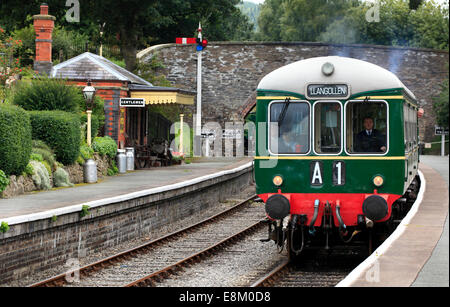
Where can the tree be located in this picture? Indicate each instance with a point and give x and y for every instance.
(426, 27)
(269, 21)
(441, 106)
(299, 20)
(9, 65)
(134, 24)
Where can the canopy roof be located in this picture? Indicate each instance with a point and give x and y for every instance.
(91, 66)
(159, 94)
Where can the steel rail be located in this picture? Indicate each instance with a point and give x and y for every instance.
(60, 280)
(152, 279)
(269, 279)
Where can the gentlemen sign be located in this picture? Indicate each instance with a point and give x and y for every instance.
(327, 91)
(132, 102)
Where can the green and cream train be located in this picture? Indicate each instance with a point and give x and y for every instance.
(337, 150)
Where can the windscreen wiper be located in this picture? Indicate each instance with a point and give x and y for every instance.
(283, 114)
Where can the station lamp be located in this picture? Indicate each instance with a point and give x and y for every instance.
(89, 95)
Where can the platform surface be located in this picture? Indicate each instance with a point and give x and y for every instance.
(419, 256)
(113, 186)
(435, 272)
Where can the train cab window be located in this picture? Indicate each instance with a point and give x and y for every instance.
(366, 127)
(327, 128)
(289, 127)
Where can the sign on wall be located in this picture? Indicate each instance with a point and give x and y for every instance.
(132, 102)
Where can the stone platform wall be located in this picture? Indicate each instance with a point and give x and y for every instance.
(39, 245)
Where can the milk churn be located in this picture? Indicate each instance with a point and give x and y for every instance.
(130, 158)
(121, 161)
(90, 171)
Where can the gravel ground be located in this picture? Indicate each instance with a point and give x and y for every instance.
(238, 265)
(173, 251)
(214, 209)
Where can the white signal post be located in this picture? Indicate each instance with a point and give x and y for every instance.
(198, 128)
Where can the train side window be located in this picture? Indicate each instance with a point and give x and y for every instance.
(406, 126)
(327, 127)
(366, 125)
(411, 126)
(289, 127)
(414, 125)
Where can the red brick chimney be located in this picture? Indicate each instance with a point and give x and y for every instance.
(43, 26)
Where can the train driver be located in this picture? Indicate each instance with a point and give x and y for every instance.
(370, 139)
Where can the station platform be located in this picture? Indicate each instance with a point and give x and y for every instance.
(37, 202)
(417, 253)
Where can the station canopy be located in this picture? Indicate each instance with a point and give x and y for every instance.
(161, 95)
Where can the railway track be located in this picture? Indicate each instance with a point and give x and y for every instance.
(310, 273)
(159, 258)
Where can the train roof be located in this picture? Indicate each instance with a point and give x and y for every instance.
(361, 76)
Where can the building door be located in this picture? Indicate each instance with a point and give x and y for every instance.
(137, 126)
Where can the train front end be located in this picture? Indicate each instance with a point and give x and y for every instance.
(330, 156)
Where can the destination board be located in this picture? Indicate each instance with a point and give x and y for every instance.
(327, 91)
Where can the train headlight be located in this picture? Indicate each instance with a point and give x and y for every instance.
(277, 180)
(327, 69)
(378, 181)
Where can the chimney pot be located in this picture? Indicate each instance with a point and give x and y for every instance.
(44, 9)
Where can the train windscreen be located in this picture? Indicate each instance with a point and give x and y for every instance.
(366, 127)
(289, 127)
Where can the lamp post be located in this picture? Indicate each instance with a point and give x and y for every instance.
(89, 94)
(90, 167)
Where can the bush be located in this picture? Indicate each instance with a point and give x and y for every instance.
(48, 168)
(105, 146)
(29, 170)
(61, 178)
(86, 152)
(45, 94)
(60, 130)
(4, 181)
(41, 177)
(47, 155)
(15, 139)
(36, 157)
(113, 170)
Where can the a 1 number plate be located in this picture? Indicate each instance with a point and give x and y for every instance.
(338, 173)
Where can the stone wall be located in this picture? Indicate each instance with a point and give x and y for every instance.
(24, 184)
(232, 71)
(39, 245)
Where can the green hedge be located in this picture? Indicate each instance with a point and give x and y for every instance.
(15, 139)
(48, 94)
(105, 146)
(59, 130)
